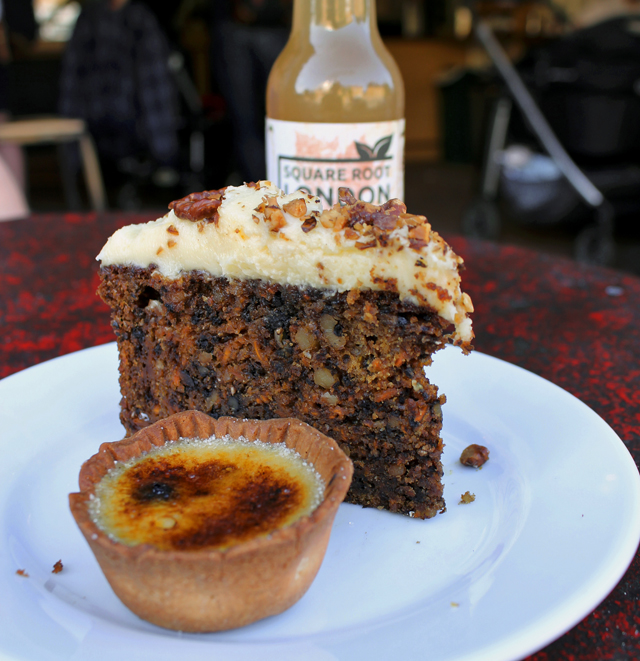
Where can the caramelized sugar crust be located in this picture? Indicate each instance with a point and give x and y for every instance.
(192, 496)
(350, 364)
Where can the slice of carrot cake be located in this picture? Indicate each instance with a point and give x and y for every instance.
(255, 304)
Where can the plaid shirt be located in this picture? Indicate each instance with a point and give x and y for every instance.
(115, 76)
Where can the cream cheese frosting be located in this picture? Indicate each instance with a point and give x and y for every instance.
(259, 232)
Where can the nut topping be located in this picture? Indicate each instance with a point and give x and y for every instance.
(367, 224)
(297, 208)
(199, 206)
(308, 224)
(274, 216)
(474, 455)
(370, 224)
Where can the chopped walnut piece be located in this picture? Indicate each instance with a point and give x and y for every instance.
(172, 230)
(57, 567)
(308, 224)
(419, 237)
(297, 207)
(274, 215)
(278, 335)
(345, 196)
(384, 222)
(421, 232)
(467, 498)
(466, 302)
(340, 223)
(277, 221)
(329, 398)
(330, 327)
(412, 221)
(305, 339)
(365, 243)
(474, 455)
(324, 378)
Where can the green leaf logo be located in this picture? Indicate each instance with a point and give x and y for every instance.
(379, 150)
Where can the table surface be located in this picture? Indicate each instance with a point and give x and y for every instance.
(575, 325)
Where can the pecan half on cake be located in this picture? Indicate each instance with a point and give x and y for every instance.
(259, 304)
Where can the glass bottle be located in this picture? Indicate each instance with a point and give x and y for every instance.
(335, 106)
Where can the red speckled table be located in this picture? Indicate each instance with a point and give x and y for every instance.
(574, 325)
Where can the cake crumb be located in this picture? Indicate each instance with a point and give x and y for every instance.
(57, 567)
(454, 604)
(467, 498)
(22, 572)
(474, 455)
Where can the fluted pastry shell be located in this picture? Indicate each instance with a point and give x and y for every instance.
(209, 590)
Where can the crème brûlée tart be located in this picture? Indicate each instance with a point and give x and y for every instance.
(205, 525)
(253, 303)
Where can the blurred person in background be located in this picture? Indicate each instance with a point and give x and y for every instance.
(247, 37)
(18, 29)
(115, 76)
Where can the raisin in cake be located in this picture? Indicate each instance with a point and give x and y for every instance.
(255, 304)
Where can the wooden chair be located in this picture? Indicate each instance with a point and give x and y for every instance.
(58, 130)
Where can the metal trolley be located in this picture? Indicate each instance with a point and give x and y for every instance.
(604, 188)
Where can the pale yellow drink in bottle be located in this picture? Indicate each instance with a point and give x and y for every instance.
(335, 106)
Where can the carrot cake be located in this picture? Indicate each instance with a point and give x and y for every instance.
(253, 303)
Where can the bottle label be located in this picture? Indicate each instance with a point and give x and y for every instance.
(320, 158)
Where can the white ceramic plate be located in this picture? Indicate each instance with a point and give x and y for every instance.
(555, 523)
